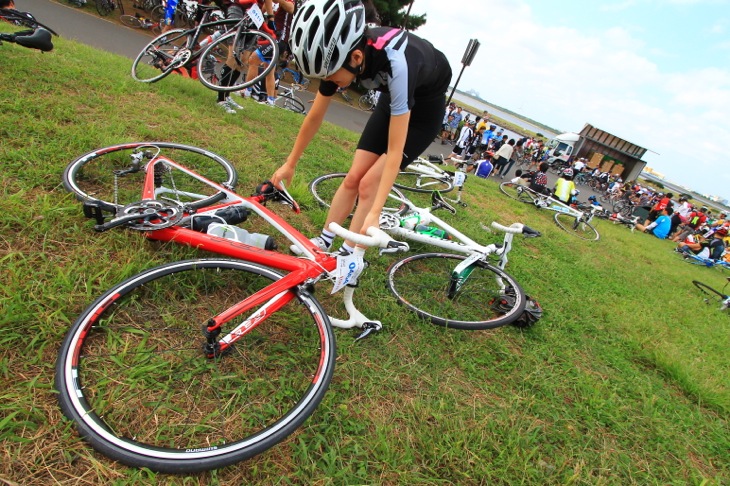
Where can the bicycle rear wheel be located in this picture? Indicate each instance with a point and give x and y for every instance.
(130, 21)
(104, 7)
(133, 376)
(115, 175)
(160, 57)
(481, 297)
(417, 182)
(517, 192)
(711, 296)
(291, 103)
(323, 189)
(223, 52)
(574, 226)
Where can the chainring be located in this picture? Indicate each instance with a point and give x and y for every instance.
(153, 214)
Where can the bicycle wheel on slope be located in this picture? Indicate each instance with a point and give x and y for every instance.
(417, 182)
(104, 7)
(223, 52)
(574, 226)
(517, 192)
(710, 295)
(115, 175)
(133, 376)
(323, 189)
(160, 57)
(131, 21)
(291, 103)
(482, 296)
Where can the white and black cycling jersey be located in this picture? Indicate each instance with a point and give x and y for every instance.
(403, 65)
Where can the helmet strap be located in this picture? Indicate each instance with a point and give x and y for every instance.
(356, 70)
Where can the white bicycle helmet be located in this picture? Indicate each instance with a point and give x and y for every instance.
(323, 34)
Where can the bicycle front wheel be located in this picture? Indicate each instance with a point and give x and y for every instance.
(710, 295)
(417, 182)
(130, 21)
(133, 376)
(517, 192)
(115, 175)
(366, 103)
(161, 56)
(574, 226)
(233, 51)
(323, 189)
(291, 103)
(482, 296)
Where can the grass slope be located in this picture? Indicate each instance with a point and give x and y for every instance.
(624, 381)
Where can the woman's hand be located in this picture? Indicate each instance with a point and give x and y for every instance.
(285, 174)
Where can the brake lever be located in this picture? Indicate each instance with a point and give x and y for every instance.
(394, 247)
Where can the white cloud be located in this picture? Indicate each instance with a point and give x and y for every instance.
(567, 76)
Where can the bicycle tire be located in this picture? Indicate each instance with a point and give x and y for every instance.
(572, 225)
(161, 56)
(157, 13)
(132, 374)
(291, 103)
(92, 175)
(517, 192)
(131, 21)
(104, 7)
(222, 52)
(417, 182)
(713, 296)
(422, 284)
(365, 103)
(323, 189)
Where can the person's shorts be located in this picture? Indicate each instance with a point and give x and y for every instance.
(424, 124)
(169, 12)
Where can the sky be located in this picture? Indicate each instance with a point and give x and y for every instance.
(653, 72)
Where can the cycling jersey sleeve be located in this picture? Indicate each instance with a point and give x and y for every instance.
(327, 88)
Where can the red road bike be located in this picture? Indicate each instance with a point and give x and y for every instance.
(198, 364)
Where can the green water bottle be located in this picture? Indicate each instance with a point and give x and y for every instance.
(432, 231)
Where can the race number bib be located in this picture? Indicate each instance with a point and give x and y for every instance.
(349, 267)
(256, 15)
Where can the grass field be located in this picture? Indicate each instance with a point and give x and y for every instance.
(624, 380)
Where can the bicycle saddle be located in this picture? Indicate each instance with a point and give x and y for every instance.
(39, 39)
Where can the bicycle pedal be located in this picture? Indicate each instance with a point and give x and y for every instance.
(368, 328)
(95, 210)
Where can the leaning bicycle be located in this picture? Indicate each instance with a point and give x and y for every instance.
(199, 364)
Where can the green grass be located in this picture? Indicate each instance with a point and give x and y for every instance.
(624, 380)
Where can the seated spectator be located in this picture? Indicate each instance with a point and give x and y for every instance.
(539, 180)
(484, 166)
(520, 178)
(564, 189)
(694, 221)
(711, 248)
(660, 227)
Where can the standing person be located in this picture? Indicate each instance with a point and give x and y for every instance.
(330, 41)
(452, 126)
(517, 152)
(680, 214)
(279, 24)
(502, 156)
(465, 139)
(169, 15)
(234, 10)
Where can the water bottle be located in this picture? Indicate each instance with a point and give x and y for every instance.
(432, 231)
(230, 215)
(410, 222)
(241, 235)
(210, 38)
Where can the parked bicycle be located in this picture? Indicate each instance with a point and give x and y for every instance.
(291, 76)
(199, 364)
(568, 218)
(286, 98)
(38, 36)
(368, 101)
(185, 13)
(712, 296)
(23, 19)
(460, 291)
(105, 7)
